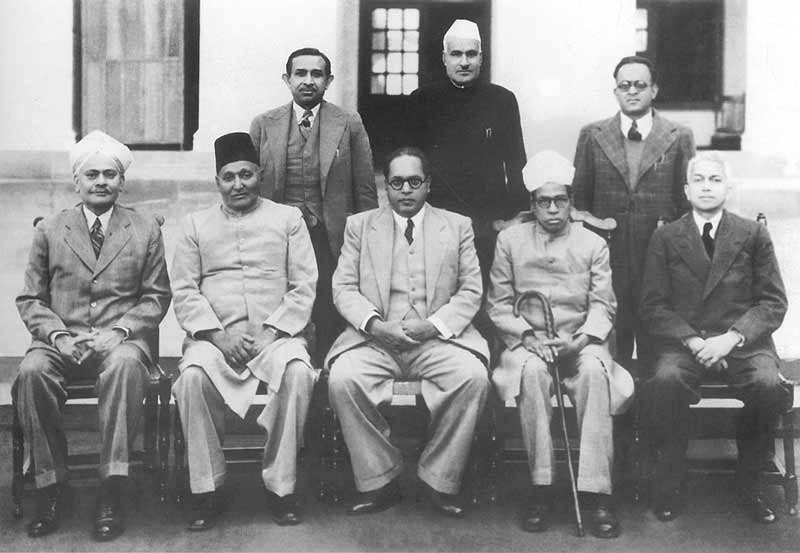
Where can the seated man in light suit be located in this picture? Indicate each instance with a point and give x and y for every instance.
(96, 288)
(408, 283)
(712, 297)
(570, 266)
(243, 280)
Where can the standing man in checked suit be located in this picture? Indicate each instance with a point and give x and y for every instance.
(96, 288)
(316, 157)
(632, 167)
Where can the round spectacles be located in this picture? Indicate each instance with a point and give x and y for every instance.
(625, 86)
(544, 203)
(397, 183)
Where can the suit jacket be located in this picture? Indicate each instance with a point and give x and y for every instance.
(347, 179)
(685, 294)
(601, 186)
(453, 287)
(67, 288)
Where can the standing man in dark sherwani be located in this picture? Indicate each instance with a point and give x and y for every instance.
(632, 167)
(471, 131)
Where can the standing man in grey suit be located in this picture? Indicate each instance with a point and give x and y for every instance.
(712, 297)
(632, 167)
(317, 157)
(408, 283)
(96, 288)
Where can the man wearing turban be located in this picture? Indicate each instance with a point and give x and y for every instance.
(96, 289)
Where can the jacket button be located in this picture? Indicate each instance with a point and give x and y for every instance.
(93, 304)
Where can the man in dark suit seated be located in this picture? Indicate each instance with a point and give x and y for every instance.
(712, 296)
(96, 284)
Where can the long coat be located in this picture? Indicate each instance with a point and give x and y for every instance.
(686, 294)
(453, 287)
(347, 179)
(601, 186)
(67, 288)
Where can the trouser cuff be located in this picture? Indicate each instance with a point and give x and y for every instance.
(438, 483)
(51, 477)
(376, 482)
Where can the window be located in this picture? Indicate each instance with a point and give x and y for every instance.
(394, 51)
(136, 70)
(684, 40)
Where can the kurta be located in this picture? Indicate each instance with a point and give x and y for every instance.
(474, 140)
(571, 269)
(243, 271)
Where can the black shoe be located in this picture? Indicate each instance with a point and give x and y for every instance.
(50, 505)
(668, 505)
(446, 503)
(108, 516)
(759, 509)
(536, 517)
(376, 500)
(285, 510)
(604, 521)
(205, 511)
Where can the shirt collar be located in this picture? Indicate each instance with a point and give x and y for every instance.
(90, 217)
(700, 221)
(299, 111)
(401, 221)
(644, 124)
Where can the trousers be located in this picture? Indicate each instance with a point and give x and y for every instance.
(40, 395)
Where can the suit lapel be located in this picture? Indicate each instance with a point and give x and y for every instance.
(380, 242)
(691, 249)
(434, 230)
(332, 123)
(76, 236)
(278, 147)
(661, 136)
(728, 240)
(610, 140)
(116, 236)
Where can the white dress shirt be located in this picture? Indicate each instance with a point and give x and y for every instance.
(644, 124)
(299, 111)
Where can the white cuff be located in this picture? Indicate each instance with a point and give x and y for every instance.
(445, 332)
(363, 326)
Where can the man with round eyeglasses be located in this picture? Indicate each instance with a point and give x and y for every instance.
(632, 167)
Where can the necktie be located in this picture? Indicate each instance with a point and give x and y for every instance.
(305, 124)
(96, 236)
(633, 133)
(409, 231)
(708, 242)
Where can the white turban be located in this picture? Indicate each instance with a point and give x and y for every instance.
(462, 28)
(547, 167)
(98, 142)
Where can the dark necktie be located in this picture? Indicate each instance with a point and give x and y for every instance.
(305, 124)
(633, 133)
(409, 231)
(96, 236)
(708, 242)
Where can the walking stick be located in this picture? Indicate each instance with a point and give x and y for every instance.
(549, 326)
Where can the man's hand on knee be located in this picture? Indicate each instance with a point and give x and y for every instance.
(235, 346)
(75, 349)
(715, 349)
(391, 335)
(103, 341)
(419, 330)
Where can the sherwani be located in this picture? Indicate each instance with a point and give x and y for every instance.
(444, 286)
(241, 272)
(572, 270)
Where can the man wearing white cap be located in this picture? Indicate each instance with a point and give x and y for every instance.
(96, 288)
(570, 266)
(471, 131)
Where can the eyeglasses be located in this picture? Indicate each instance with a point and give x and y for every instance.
(397, 183)
(560, 201)
(625, 86)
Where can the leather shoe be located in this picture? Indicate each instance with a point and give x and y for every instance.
(285, 510)
(445, 503)
(376, 500)
(604, 521)
(108, 517)
(537, 514)
(668, 505)
(759, 509)
(206, 510)
(50, 504)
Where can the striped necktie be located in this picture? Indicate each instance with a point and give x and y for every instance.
(409, 233)
(96, 236)
(305, 124)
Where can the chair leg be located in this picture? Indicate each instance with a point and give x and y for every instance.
(164, 390)
(337, 460)
(17, 479)
(638, 453)
(790, 478)
(495, 452)
(150, 423)
(180, 474)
